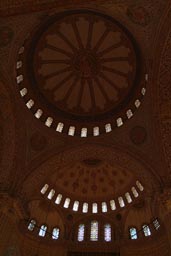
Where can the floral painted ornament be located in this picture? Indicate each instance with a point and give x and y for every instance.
(138, 15)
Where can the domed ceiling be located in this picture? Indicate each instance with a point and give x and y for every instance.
(92, 179)
(81, 69)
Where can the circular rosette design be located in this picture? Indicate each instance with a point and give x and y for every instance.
(82, 70)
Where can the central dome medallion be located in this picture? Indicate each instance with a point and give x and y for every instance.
(83, 72)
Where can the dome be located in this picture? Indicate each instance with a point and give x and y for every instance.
(82, 72)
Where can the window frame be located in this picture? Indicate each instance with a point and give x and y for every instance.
(130, 236)
(52, 235)
(145, 225)
(40, 229)
(104, 228)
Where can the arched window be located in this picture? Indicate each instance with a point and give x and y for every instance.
(94, 231)
(30, 104)
(58, 199)
(128, 198)
(67, 202)
(84, 132)
(85, 207)
(38, 113)
(134, 191)
(44, 189)
(75, 206)
(121, 201)
(137, 103)
(59, 127)
(146, 230)
(139, 185)
(31, 225)
(108, 127)
(129, 113)
(119, 122)
(112, 205)
(107, 232)
(96, 131)
(156, 224)
(81, 231)
(104, 207)
(143, 91)
(19, 64)
(51, 194)
(55, 233)
(42, 231)
(23, 92)
(94, 208)
(71, 130)
(133, 233)
(49, 121)
(19, 79)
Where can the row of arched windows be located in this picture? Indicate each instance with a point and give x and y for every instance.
(94, 232)
(106, 229)
(85, 131)
(43, 230)
(145, 229)
(95, 206)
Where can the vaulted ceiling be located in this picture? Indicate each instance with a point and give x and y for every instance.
(134, 55)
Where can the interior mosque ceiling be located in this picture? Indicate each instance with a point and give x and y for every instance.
(85, 108)
(82, 70)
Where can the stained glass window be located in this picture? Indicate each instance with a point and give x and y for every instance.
(133, 233)
(94, 231)
(104, 207)
(85, 207)
(81, 231)
(94, 208)
(55, 233)
(42, 231)
(31, 225)
(107, 232)
(75, 206)
(146, 230)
